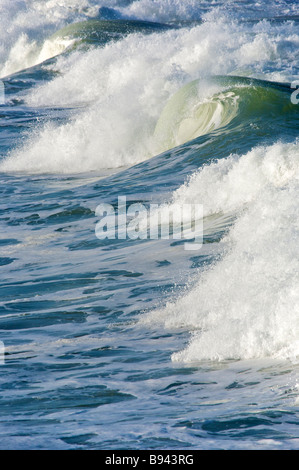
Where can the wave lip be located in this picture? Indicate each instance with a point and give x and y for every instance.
(190, 114)
(100, 31)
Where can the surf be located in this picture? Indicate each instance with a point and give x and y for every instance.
(245, 304)
(83, 34)
(211, 107)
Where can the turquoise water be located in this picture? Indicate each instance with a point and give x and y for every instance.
(141, 344)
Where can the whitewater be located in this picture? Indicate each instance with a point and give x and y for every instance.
(136, 342)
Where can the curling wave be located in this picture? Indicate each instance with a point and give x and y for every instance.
(87, 142)
(197, 109)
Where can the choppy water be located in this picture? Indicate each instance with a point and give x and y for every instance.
(141, 344)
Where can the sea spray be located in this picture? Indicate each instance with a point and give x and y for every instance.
(246, 305)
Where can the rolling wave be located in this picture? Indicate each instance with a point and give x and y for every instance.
(195, 110)
(93, 32)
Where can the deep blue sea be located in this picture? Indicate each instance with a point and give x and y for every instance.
(113, 336)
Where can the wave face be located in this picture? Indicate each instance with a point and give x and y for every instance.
(168, 104)
(196, 110)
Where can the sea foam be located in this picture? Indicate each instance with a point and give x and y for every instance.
(118, 92)
(246, 304)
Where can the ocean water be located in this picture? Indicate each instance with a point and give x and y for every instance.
(138, 342)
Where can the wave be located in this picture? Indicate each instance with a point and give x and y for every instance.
(246, 304)
(187, 116)
(115, 95)
(193, 10)
(26, 23)
(95, 32)
(194, 111)
(101, 31)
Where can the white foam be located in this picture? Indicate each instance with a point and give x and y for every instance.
(124, 87)
(165, 10)
(26, 25)
(188, 10)
(247, 304)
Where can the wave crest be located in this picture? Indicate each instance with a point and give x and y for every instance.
(246, 305)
